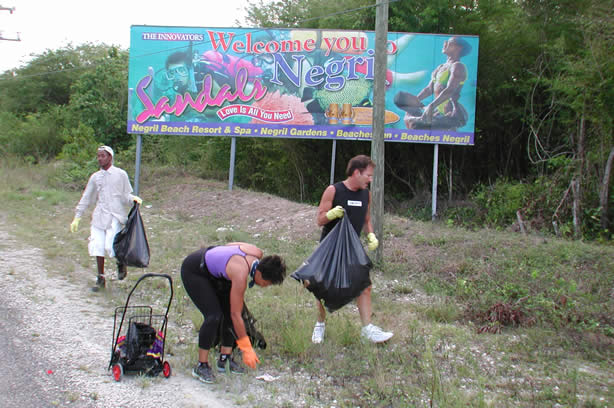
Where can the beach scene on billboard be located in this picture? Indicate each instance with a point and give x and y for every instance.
(300, 83)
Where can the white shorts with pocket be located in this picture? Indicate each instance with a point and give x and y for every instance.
(101, 241)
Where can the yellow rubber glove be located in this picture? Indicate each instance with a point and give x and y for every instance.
(74, 225)
(137, 199)
(336, 212)
(372, 242)
(249, 355)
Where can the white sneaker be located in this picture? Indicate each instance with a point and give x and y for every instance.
(375, 334)
(318, 333)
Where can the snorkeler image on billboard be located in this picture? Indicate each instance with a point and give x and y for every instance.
(300, 83)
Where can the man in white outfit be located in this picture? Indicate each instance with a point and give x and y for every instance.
(111, 190)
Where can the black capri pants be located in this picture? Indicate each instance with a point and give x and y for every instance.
(212, 297)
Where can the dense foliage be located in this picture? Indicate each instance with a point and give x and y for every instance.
(544, 132)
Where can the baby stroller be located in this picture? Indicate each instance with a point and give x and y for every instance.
(139, 337)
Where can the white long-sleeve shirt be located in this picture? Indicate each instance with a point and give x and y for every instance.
(112, 192)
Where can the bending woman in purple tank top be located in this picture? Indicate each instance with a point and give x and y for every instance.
(216, 279)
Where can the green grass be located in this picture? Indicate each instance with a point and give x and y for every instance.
(436, 289)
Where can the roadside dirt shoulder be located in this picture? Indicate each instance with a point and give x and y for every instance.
(67, 328)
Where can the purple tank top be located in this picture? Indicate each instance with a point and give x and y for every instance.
(217, 257)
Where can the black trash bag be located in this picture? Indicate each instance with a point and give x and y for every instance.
(338, 270)
(255, 337)
(130, 244)
(139, 339)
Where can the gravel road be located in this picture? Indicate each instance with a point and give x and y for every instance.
(56, 341)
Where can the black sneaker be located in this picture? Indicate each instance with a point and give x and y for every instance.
(235, 368)
(122, 271)
(99, 284)
(203, 373)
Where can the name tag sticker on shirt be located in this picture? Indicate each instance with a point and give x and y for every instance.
(353, 203)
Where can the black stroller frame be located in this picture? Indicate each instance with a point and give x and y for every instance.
(139, 337)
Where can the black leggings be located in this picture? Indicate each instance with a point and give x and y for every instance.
(213, 302)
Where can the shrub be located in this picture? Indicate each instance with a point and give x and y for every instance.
(37, 138)
(78, 157)
(500, 202)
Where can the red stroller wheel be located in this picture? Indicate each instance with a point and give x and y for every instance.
(166, 369)
(118, 371)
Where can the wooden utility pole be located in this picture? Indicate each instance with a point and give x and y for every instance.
(379, 111)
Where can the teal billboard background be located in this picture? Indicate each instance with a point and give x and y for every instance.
(314, 84)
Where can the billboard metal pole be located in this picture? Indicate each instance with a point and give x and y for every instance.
(379, 110)
(137, 166)
(332, 162)
(434, 191)
(231, 171)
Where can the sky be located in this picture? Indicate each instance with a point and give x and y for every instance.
(53, 24)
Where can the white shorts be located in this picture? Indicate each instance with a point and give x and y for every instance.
(101, 241)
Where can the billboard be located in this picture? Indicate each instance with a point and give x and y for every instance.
(300, 83)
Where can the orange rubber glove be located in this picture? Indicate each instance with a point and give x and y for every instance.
(249, 355)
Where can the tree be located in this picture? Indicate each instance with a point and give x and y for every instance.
(343, 14)
(98, 98)
(46, 80)
(581, 88)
